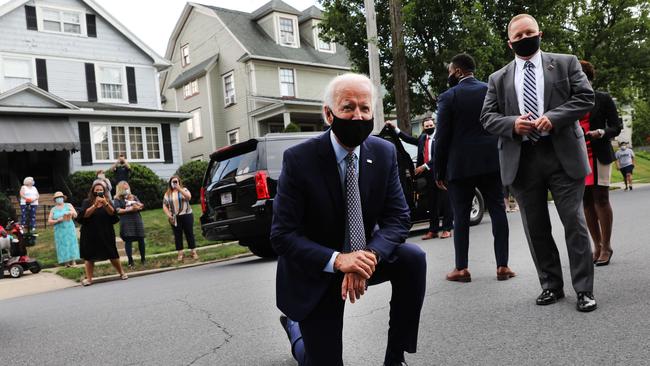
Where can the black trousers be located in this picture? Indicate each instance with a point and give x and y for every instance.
(184, 224)
(438, 205)
(322, 330)
(128, 248)
(461, 193)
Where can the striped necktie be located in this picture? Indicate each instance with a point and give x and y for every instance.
(530, 97)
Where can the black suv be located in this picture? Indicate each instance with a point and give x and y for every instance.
(241, 180)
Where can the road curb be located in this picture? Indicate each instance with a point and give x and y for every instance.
(116, 277)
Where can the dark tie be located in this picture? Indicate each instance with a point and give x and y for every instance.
(530, 97)
(354, 216)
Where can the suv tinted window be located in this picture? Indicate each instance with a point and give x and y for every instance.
(236, 165)
(274, 153)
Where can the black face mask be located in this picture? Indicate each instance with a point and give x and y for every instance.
(351, 132)
(429, 131)
(453, 80)
(526, 46)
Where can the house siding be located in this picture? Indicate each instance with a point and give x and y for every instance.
(310, 81)
(201, 146)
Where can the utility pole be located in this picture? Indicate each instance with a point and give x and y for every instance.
(401, 86)
(373, 61)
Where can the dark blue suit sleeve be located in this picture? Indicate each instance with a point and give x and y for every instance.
(288, 211)
(408, 139)
(394, 221)
(443, 135)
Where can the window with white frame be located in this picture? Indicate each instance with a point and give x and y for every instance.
(287, 31)
(320, 44)
(185, 55)
(191, 89)
(137, 143)
(229, 89)
(111, 83)
(61, 21)
(17, 71)
(287, 83)
(233, 137)
(194, 126)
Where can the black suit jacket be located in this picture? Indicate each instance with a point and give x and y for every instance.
(309, 216)
(463, 148)
(604, 116)
(419, 141)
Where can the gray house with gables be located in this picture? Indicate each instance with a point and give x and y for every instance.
(77, 89)
(242, 75)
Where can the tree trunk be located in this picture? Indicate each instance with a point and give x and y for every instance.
(401, 87)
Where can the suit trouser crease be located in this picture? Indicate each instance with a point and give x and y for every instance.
(540, 171)
(322, 330)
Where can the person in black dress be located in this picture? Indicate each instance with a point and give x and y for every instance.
(97, 243)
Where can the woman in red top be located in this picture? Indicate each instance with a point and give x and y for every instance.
(600, 126)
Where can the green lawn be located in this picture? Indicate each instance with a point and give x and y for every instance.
(641, 169)
(159, 237)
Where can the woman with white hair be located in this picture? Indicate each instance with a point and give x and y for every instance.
(28, 203)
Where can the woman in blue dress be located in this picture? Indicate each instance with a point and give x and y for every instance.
(65, 234)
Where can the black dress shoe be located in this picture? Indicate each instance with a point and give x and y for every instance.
(395, 363)
(586, 302)
(550, 296)
(283, 321)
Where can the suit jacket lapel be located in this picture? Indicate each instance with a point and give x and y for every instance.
(549, 77)
(512, 105)
(366, 172)
(331, 171)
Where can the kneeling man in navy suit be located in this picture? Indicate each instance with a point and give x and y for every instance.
(339, 224)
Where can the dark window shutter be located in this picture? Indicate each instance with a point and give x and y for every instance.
(130, 83)
(86, 147)
(30, 16)
(167, 143)
(41, 73)
(91, 87)
(91, 25)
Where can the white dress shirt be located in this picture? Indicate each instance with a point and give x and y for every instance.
(432, 138)
(539, 83)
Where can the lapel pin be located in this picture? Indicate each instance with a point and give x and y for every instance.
(368, 161)
(551, 67)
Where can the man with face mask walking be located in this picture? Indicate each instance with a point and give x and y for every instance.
(466, 159)
(339, 224)
(437, 200)
(534, 105)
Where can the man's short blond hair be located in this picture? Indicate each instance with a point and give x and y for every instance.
(521, 16)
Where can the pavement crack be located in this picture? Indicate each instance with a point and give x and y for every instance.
(210, 317)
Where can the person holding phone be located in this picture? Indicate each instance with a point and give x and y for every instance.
(176, 205)
(97, 217)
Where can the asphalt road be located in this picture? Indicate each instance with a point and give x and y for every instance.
(225, 314)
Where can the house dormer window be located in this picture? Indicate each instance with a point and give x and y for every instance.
(61, 21)
(287, 28)
(321, 45)
(185, 55)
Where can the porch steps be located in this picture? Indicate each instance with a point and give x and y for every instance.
(45, 203)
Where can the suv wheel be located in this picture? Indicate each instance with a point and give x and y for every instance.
(261, 247)
(478, 209)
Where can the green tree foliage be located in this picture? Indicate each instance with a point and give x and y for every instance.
(7, 210)
(612, 34)
(191, 174)
(292, 127)
(641, 123)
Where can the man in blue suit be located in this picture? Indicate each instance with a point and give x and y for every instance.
(339, 224)
(467, 158)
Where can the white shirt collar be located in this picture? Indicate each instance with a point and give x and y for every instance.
(536, 60)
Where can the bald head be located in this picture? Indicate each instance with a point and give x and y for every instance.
(349, 96)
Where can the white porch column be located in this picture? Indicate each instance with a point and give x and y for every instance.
(287, 118)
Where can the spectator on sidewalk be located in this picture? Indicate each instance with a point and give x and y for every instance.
(108, 187)
(600, 126)
(28, 203)
(65, 233)
(97, 218)
(121, 169)
(176, 204)
(625, 163)
(128, 207)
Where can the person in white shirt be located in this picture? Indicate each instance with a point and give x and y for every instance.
(28, 203)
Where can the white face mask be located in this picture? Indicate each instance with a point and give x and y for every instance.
(58, 200)
(101, 176)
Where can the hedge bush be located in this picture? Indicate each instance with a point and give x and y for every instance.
(143, 181)
(292, 127)
(7, 211)
(191, 174)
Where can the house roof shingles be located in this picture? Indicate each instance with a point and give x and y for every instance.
(194, 72)
(259, 43)
(271, 6)
(311, 12)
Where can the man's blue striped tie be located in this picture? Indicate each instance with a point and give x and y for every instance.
(530, 97)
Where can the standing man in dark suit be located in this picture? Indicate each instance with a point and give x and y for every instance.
(466, 159)
(437, 200)
(339, 224)
(533, 104)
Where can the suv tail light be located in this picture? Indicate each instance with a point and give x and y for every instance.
(261, 185)
(204, 207)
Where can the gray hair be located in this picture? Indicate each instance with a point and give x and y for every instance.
(28, 180)
(330, 89)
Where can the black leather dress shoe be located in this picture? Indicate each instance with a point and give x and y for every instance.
(396, 363)
(550, 296)
(586, 302)
(283, 321)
